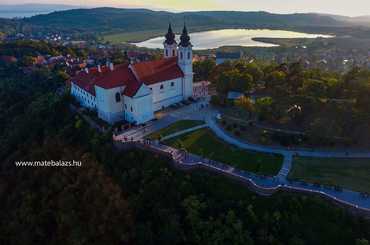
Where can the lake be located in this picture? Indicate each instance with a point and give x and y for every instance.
(231, 37)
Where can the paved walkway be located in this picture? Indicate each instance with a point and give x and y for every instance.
(185, 131)
(285, 169)
(167, 117)
(208, 114)
(267, 185)
(211, 121)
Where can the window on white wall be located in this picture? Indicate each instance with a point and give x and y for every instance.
(161, 86)
(172, 84)
(118, 97)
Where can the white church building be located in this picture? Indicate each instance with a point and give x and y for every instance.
(134, 92)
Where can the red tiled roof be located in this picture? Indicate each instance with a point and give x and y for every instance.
(132, 88)
(145, 72)
(120, 76)
(84, 81)
(151, 72)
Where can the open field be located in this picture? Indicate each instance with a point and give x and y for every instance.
(352, 174)
(132, 37)
(139, 36)
(203, 142)
(175, 127)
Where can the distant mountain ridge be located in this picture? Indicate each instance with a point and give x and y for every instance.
(26, 10)
(361, 20)
(129, 20)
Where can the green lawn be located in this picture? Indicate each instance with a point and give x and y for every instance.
(128, 37)
(203, 142)
(352, 174)
(175, 127)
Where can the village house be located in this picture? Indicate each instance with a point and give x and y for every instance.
(201, 89)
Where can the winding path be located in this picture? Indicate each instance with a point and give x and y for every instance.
(261, 184)
(270, 184)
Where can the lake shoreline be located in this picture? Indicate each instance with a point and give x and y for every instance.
(214, 39)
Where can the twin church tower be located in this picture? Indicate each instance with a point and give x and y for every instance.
(184, 53)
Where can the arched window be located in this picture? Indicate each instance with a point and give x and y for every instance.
(166, 52)
(173, 53)
(118, 97)
(188, 55)
(181, 55)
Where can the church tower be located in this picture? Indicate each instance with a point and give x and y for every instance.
(170, 45)
(185, 62)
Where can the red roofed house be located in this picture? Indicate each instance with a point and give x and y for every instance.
(134, 92)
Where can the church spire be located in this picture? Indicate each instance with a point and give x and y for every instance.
(184, 38)
(170, 36)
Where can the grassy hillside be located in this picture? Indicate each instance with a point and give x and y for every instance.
(113, 20)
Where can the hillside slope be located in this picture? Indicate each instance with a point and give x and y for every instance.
(117, 20)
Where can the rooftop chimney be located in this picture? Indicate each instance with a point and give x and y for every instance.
(111, 66)
(99, 68)
(87, 70)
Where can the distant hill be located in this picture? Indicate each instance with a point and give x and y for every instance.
(365, 20)
(111, 20)
(359, 20)
(27, 10)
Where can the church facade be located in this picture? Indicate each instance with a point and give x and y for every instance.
(134, 92)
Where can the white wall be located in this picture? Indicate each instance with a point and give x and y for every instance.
(168, 95)
(188, 86)
(185, 62)
(170, 50)
(84, 98)
(108, 108)
(139, 109)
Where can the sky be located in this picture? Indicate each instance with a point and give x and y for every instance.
(342, 7)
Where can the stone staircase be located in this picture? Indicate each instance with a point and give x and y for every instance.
(285, 169)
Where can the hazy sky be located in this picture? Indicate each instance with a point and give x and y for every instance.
(344, 7)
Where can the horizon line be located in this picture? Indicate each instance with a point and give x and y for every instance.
(73, 6)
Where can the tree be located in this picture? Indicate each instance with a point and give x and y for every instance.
(275, 79)
(203, 69)
(245, 103)
(264, 107)
(362, 242)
